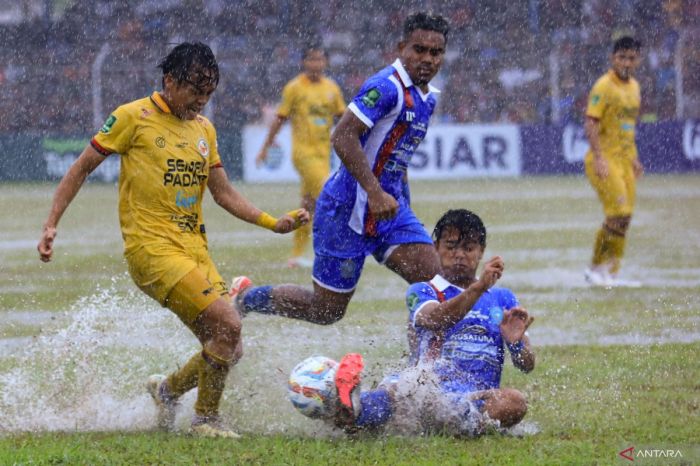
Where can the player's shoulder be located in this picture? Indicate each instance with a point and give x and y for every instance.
(143, 106)
(502, 295)
(296, 82)
(603, 82)
(205, 123)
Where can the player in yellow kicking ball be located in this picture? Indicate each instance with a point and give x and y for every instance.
(612, 165)
(169, 157)
(310, 101)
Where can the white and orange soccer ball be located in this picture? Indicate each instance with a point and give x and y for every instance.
(311, 387)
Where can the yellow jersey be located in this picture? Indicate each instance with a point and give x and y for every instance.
(165, 164)
(311, 106)
(615, 104)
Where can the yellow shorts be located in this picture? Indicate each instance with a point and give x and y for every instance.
(313, 171)
(185, 283)
(617, 192)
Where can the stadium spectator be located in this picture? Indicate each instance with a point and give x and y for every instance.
(168, 156)
(310, 101)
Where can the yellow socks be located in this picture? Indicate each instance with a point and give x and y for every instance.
(212, 377)
(301, 240)
(185, 379)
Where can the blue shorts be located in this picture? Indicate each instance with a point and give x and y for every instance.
(340, 252)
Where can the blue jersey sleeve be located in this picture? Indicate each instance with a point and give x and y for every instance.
(417, 295)
(507, 299)
(377, 97)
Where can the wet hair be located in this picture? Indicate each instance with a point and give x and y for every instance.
(190, 58)
(427, 21)
(626, 43)
(468, 224)
(312, 47)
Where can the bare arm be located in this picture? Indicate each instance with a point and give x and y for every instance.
(592, 128)
(346, 142)
(434, 316)
(513, 327)
(226, 196)
(271, 134)
(69, 186)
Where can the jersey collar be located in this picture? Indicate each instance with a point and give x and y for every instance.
(159, 102)
(441, 284)
(406, 79)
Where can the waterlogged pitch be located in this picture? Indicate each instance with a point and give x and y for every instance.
(616, 368)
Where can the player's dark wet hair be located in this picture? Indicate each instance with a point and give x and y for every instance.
(312, 47)
(468, 224)
(191, 58)
(627, 43)
(427, 21)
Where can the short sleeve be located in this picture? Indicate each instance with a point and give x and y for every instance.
(377, 97)
(116, 133)
(417, 295)
(214, 157)
(288, 94)
(597, 101)
(507, 299)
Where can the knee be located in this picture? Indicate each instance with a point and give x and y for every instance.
(227, 330)
(515, 407)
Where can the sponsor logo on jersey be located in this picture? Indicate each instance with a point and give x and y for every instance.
(595, 99)
(160, 141)
(184, 173)
(107, 127)
(371, 97)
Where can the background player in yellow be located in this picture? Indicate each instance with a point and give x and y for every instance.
(168, 157)
(612, 165)
(311, 101)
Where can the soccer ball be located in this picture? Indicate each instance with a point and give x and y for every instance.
(311, 387)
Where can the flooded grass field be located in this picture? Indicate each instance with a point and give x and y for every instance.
(78, 340)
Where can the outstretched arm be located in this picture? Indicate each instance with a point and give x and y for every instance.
(271, 134)
(513, 326)
(236, 204)
(65, 193)
(434, 316)
(346, 142)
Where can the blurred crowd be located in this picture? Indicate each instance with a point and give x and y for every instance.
(527, 61)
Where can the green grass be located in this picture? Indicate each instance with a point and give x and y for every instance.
(615, 368)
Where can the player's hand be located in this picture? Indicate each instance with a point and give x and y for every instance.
(261, 157)
(601, 167)
(637, 168)
(493, 271)
(382, 205)
(45, 246)
(292, 220)
(514, 324)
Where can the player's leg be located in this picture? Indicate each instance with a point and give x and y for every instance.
(506, 405)
(339, 258)
(408, 250)
(609, 241)
(313, 171)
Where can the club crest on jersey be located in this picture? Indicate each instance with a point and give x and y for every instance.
(203, 147)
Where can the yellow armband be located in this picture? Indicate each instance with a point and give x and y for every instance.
(266, 220)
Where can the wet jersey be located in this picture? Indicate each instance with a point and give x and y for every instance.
(311, 106)
(469, 355)
(397, 115)
(615, 104)
(165, 164)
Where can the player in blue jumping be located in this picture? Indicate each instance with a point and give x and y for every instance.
(462, 326)
(364, 207)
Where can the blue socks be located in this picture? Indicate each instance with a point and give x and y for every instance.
(257, 299)
(376, 408)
